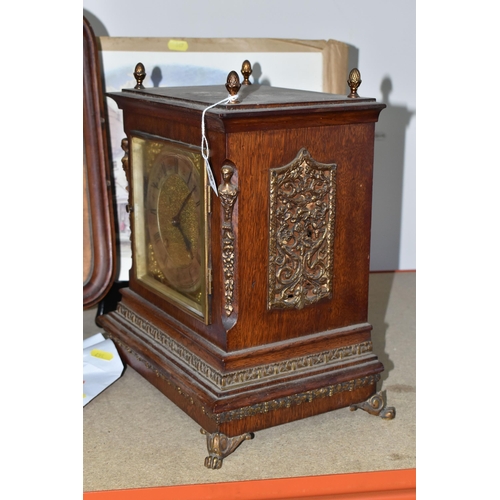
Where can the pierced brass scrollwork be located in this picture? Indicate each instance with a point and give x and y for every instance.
(302, 214)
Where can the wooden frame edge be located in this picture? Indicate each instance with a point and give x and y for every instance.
(98, 209)
(387, 485)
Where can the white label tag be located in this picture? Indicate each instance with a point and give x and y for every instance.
(211, 177)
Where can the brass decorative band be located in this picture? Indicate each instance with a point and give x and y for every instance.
(228, 193)
(263, 407)
(295, 365)
(301, 222)
(240, 377)
(294, 399)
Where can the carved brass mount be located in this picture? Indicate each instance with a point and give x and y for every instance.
(220, 446)
(246, 71)
(354, 82)
(139, 75)
(376, 406)
(228, 193)
(233, 84)
(302, 214)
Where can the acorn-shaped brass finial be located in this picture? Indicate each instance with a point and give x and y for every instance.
(354, 82)
(246, 71)
(139, 75)
(233, 84)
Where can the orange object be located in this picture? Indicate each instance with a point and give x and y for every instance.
(381, 485)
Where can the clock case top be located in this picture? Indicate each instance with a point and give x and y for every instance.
(255, 102)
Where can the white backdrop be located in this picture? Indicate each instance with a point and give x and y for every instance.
(381, 36)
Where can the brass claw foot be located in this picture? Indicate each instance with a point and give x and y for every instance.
(376, 406)
(220, 446)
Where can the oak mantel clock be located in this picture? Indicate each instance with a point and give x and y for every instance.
(248, 297)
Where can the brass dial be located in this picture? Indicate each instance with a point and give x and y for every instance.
(170, 232)
(173, 220)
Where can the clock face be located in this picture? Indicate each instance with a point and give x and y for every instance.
(170, 221)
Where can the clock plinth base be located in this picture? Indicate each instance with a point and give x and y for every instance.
(238, 406)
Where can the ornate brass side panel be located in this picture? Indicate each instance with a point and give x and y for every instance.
(302, 216)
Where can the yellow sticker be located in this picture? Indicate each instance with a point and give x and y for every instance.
(97, 353)
(180, 45)
(84, 395)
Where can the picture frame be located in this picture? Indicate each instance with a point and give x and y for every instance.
(99, 248)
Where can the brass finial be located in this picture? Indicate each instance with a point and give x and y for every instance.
(139, 75)
(246, 71)
(354, 82)
(233, 84)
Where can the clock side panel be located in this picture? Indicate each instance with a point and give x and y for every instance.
(349, 150)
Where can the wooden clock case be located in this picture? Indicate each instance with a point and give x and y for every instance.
(264, 359)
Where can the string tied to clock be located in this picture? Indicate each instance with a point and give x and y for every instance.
(205, 151)
(232, 85)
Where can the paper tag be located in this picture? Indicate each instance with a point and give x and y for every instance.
(211, 177)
